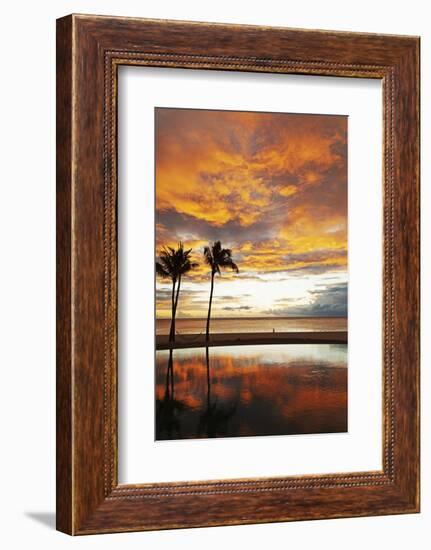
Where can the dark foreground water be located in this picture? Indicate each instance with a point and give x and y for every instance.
(251, 390)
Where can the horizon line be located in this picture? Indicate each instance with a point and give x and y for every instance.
(257, 317)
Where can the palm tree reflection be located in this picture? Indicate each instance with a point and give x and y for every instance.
(214, 419)
(169, 394)
(168, 409)
(176, 419)
(207, 358)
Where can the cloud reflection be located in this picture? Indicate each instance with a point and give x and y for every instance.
(252, 390)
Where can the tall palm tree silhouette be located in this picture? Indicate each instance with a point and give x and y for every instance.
(173, 264)
(217, 257)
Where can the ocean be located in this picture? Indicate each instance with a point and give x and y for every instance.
(263, 324)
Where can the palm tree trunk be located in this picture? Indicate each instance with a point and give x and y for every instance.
(207, 337)
(172, 329)
(177, 296)
(174, 309)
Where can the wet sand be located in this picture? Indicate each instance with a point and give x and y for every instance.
(250, 338)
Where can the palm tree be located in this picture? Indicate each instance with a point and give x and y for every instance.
(217, 257)
(173, 264)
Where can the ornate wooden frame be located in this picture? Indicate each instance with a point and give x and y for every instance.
(89, 51)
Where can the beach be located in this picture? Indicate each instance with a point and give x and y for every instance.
(249, 338)
(253, 377)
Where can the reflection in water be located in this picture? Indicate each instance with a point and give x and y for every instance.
(214, 419)
(251, 390)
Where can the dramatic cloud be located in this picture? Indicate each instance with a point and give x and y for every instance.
(271, 186)
(329, 301)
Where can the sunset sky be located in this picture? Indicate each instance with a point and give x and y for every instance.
(273, 188)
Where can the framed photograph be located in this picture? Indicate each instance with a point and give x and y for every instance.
(237, 274)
